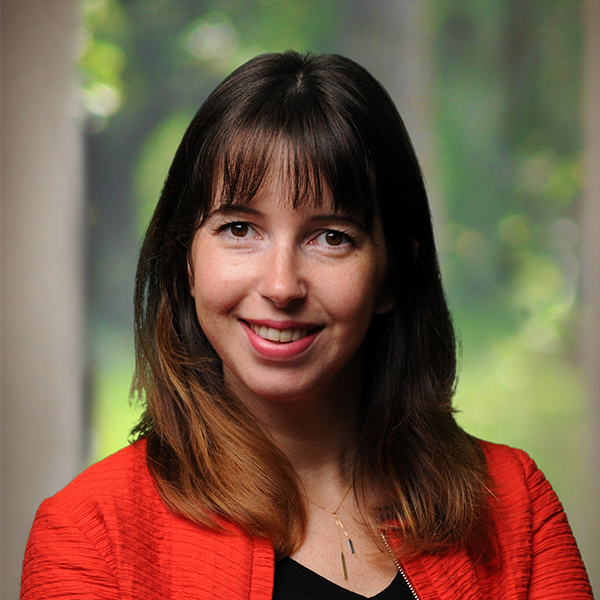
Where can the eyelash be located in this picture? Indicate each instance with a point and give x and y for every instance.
(351, 238)
(229, 224)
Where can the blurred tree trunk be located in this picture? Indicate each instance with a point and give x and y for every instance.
(42, 253)
(394, 40)
(590, 277)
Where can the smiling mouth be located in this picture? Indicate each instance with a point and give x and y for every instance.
(280, 335)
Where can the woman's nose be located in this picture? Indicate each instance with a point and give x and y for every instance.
(282, 281)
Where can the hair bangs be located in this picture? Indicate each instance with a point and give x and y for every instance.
(311, 153)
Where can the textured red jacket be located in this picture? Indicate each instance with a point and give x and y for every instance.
(108, 535)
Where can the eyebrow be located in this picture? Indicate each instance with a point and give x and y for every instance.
(248, 210)
(338, 218)
(234, 208)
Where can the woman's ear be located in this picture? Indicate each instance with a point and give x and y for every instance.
(385, 302)
(190, 272)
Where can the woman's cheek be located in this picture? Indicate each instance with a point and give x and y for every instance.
(221, 286)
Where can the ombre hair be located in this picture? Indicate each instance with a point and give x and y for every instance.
(319, 121)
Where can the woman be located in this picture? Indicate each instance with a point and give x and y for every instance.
(297, 360)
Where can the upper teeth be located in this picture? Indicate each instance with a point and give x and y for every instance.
(279, 335)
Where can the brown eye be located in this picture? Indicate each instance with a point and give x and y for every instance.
(239, 229)
(334, 238)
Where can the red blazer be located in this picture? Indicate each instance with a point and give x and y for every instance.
(108, 535)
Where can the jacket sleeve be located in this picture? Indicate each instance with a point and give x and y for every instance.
(557, 570)
(62, 562)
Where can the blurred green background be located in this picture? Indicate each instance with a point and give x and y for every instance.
(491, 92)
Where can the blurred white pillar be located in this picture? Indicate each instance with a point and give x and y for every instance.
(42, 350)
(590, 277)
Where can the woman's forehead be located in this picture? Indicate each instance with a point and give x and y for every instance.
(295, 173)
(295, 185)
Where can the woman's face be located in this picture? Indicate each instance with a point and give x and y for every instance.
(285, 295)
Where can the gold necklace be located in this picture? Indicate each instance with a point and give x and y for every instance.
(341, 529)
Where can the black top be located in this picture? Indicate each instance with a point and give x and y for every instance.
(294, 581)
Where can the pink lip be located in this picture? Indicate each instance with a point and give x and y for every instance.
(281, 325)
(277, 350)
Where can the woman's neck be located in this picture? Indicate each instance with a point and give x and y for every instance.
(317, 433)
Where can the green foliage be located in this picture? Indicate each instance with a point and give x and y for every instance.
(510, 156)
(102, 59)
(513, 394)
(112, 416)
(155, 158)
(229, 33)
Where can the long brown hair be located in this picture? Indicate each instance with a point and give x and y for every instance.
(209, 456)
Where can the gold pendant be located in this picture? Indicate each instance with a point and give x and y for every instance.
(344, 565)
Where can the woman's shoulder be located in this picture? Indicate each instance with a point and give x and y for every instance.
(109, 531)
(502, 457)
(531, 525)
(118, 479)
(109, 502)
(516, 481)
(530, 553)
(114, 468)
(79, 534)
(512, 469)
